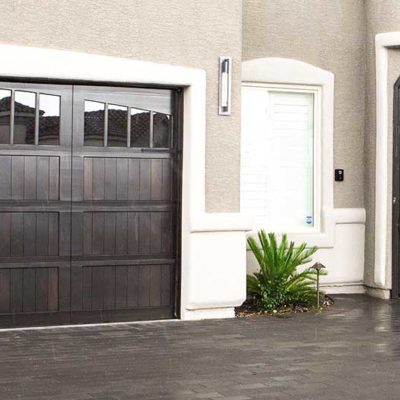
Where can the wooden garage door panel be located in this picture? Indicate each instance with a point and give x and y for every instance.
(119, 287)
(87, 229)
(123, 233)
(124, 178)
(123, 205)
(29, 177)
(29, 234)
(28, 290)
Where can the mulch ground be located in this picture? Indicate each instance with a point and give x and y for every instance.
(249, 309)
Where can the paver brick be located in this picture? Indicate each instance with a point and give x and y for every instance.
(351, 351)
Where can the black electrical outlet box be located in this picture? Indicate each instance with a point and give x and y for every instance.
(339, 175)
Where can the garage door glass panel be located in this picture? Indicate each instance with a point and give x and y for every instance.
(117, 126)
(5, 116)
(161, 130)
(49, 119)
(94, 123)
(24, 117)
(140, 128)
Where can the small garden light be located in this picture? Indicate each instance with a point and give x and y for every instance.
(318, 266)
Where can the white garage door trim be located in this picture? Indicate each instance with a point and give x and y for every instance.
(201, 294)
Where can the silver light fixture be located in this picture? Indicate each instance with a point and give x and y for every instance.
(225, 83)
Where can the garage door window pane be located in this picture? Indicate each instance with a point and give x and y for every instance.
(277, 171)
(94, 123)
(24, 117)
(117, 126)
(140, 128)
(49, 119)
(161, 130)
(5, 112)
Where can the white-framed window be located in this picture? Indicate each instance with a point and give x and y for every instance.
(280, 156)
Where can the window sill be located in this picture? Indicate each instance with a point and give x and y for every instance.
(325, 237)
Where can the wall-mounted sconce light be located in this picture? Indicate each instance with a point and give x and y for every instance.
(225, 83)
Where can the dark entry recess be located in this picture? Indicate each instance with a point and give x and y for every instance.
(89, 203)
(396, 193)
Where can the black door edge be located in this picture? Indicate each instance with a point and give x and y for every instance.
(396, 193)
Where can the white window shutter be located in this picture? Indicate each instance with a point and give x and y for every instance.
(278, 156)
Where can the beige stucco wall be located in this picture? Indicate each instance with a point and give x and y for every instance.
(190, 33)
(337, 35)
(382, 16)
(331, 35)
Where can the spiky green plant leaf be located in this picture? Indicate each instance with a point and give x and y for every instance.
(278, 283)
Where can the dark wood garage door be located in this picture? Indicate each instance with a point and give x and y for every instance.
(88, 204)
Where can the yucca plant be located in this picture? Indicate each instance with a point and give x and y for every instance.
(278, 284)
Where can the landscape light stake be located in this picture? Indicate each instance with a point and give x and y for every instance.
(318, 266)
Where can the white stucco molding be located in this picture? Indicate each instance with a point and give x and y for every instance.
(383, 42)
(275, 70)
(23, 61)
(201, 270)
(221, 222)
(350, 216)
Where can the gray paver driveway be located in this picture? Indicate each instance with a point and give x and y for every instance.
(351, 351)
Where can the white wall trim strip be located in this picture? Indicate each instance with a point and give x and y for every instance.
(344, 288)
(221, 222)
(350, 215)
